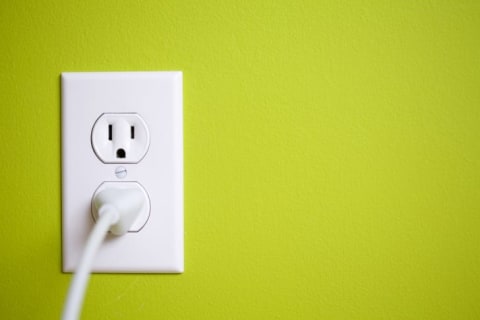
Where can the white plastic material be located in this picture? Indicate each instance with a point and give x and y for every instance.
(120, 138)
(156, 97)
(143, 212)
(129, 200)
(76, 292)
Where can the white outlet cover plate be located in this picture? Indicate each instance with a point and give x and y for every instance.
(158, 98)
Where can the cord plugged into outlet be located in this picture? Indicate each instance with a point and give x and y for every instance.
(122, 138)
(115, 209)
(129, 199)
(125, 187)
(122, 173)
(123, 130)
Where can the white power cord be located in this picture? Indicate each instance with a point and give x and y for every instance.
(76, 293)
(116, 211)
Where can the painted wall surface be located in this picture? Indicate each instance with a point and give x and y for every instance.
(331, 156)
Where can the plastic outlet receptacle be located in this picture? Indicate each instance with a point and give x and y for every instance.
(120, 138)
(95, 155)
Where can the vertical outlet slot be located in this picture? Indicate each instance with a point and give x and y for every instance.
(132, 132)
(110, 131)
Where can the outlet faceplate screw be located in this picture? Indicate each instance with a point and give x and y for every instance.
(121, 172)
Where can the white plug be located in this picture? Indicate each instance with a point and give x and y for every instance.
(127, 203)
(123, 186)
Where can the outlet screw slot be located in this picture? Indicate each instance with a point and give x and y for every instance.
(121, 153)
(120, 172)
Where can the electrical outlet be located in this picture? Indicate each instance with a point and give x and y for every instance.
(123, 129)
(120, 138)
(144, 214)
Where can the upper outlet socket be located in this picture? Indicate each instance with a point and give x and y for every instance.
(120, 138)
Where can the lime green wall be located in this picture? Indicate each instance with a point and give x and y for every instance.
(331, 156)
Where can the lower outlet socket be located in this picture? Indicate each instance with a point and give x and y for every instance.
(145, 212)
